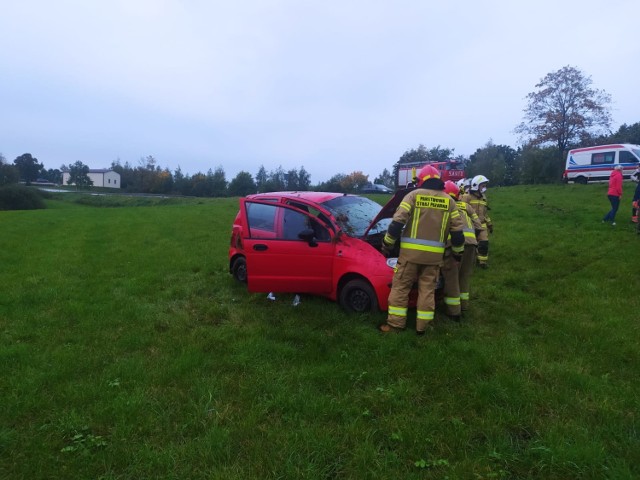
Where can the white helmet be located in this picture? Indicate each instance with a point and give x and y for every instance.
(467, 183)
(477, 181)
(460, 183)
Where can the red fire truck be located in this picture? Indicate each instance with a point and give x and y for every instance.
(449, 170)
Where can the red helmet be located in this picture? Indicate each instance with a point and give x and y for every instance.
(426, 173)
(452, 189)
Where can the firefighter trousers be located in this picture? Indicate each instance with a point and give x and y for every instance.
(451, 275)
(406, 274)
(466, 269)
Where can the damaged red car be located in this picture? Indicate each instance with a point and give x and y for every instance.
(316, 243)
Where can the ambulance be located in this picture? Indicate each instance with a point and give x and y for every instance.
(592, 164)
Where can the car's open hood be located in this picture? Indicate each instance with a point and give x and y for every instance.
(390, 207)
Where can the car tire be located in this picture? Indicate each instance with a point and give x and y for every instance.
(358, 296)
(581, 180)
(239, 269)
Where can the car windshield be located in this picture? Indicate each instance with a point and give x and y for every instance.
(354, 214)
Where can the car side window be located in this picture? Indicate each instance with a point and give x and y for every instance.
(602, 158)
(316, 213)
(261, 220)
(627, 157)
(320, 232)
(293, 223)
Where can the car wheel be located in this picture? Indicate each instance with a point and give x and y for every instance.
(239, 269)
(358, 296)
(582, 180)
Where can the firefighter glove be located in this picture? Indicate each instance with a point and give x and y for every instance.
(388, 242)
(490, 227)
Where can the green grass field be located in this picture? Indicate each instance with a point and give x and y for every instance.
(128, 352)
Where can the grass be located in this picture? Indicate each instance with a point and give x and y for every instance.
(129, 352)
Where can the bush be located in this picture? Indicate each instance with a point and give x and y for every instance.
(18, 197)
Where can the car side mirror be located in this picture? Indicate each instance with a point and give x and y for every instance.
(308, 236)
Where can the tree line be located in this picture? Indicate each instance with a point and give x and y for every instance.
(564, 112)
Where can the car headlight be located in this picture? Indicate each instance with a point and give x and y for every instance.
(392, 262)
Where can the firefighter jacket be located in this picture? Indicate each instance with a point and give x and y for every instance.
(478, 202)
(473, 229)
(424, 220)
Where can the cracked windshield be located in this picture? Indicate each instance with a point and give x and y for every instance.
(355, 214)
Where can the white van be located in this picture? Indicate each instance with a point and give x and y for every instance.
(596, 163)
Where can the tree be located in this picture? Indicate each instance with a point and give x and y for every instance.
(422, 155)
(199, 185)
(540, 165)
(8, 173)
(292, 180)
(181, 183)
(28, 167)
(625, 134)
(261, 179)
(54, 175)
(354, 181)
(161, 182)
(564, 111)
(242, 185)
(334, 184)
(79, 175)
(304, 179)
(146, 172)
(499, 163)
(385, 178)
(276, 181)
(217, 182)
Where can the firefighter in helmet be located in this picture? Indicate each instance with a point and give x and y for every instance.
(457, 273)
(467, 185)
(478, 201)
(423, 221)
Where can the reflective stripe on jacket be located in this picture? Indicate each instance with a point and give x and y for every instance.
(479, 203)
(472, 223)
(427, 216)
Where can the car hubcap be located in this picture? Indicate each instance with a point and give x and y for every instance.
(360, 301)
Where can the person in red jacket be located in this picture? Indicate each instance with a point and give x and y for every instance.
(614, 193)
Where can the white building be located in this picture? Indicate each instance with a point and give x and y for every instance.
(102, 177)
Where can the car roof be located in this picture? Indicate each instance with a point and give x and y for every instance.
(316, 197)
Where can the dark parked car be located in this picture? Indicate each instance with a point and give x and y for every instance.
(375, 188)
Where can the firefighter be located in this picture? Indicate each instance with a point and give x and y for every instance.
(460, 185)
(457, 274)
(478, 201)
(467, 185)
(423, 221)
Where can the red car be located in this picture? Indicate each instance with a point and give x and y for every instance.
(317, 243)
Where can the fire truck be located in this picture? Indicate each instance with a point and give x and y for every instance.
(449, 170)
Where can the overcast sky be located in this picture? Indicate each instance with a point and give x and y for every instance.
(334, 86)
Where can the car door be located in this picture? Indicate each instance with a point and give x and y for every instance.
(278, 260)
